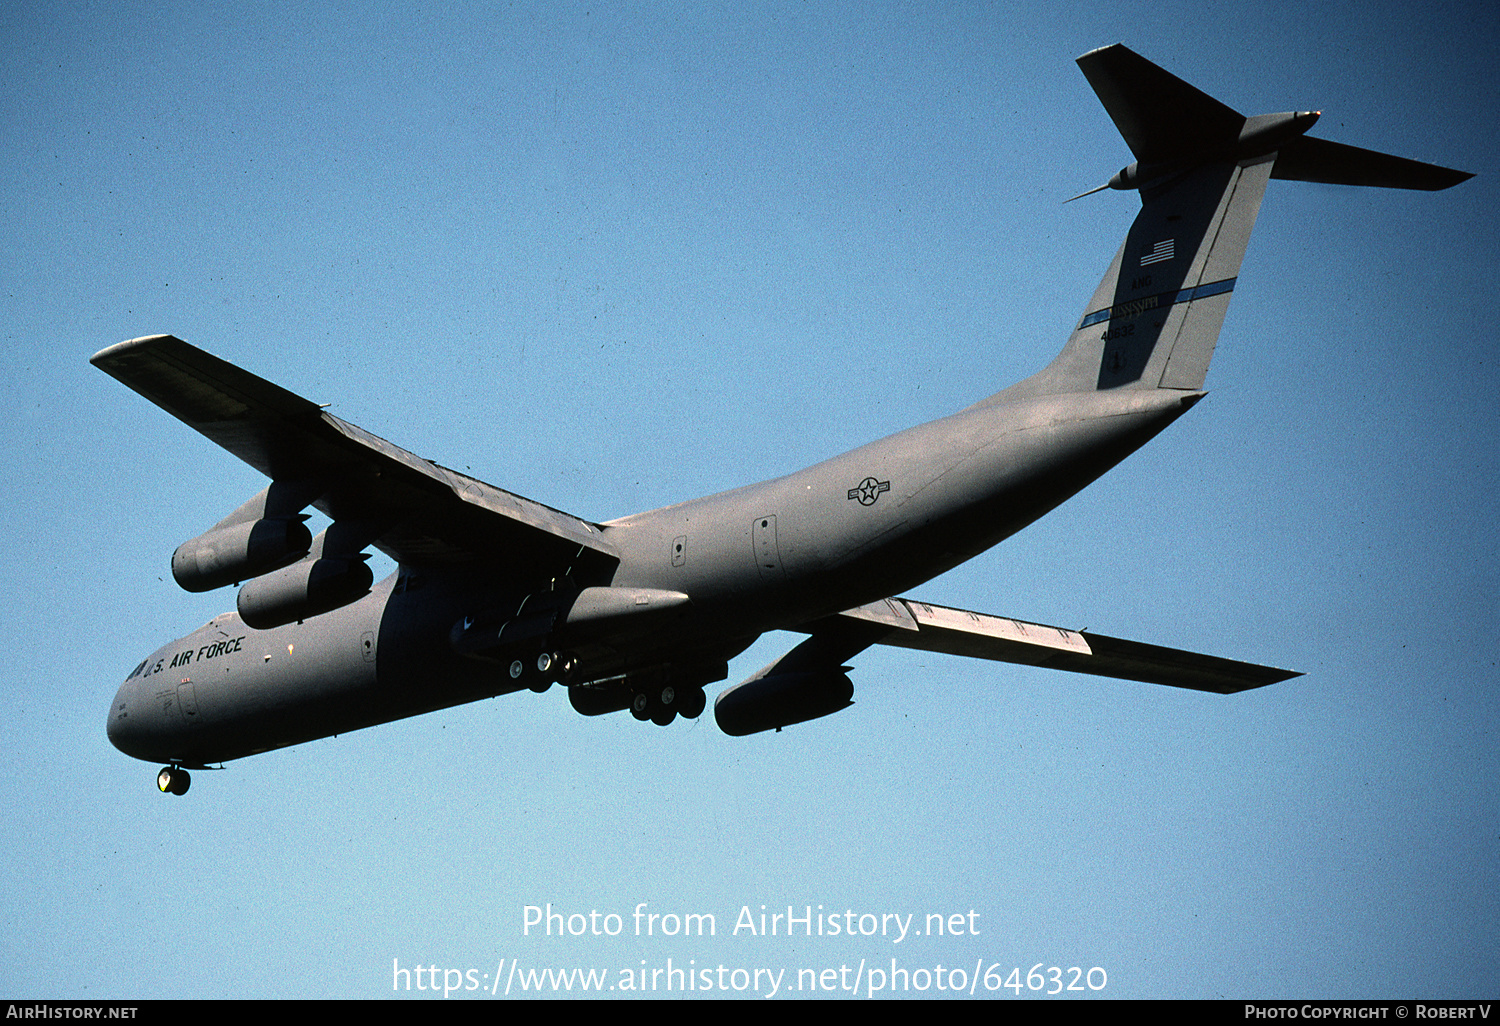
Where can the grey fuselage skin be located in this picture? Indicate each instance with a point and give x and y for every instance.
(769, 556)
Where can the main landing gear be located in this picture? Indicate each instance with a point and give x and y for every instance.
(544, 671)
(173, 779)
(661, 704)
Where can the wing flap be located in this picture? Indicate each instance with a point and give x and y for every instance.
(921, 625)
(429, 514)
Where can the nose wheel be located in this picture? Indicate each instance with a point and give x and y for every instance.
(173, 779)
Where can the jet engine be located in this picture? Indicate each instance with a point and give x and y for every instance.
(303, 590)
(239, 552)
(781, 699)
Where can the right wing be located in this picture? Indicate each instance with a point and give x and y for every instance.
(422, 514)
(909, 623)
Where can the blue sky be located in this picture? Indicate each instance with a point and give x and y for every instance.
(613, 257)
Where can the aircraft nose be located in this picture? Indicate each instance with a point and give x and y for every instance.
(125, 726)
(119, 714)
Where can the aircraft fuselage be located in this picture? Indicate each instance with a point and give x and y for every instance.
(495, 592)
(844, 532)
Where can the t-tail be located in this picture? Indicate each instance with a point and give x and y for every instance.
(1201, 169)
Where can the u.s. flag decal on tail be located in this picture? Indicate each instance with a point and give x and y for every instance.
(1161, 251)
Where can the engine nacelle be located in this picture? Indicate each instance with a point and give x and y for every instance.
(303, 590)
(781, 699)
(239, 552)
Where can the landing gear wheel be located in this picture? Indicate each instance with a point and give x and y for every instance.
(691, 703)
(547, 665)
(174, 780)
(663, 710)
(640, 706)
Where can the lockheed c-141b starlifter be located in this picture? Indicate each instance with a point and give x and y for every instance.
(495, 593)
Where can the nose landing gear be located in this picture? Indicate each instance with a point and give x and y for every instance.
(173, 779)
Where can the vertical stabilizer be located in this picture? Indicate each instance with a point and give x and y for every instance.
(1155, 317)
(1201, 169)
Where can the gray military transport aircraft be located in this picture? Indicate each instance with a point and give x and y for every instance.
(495, 593)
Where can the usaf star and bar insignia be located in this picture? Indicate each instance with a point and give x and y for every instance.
(869, 490)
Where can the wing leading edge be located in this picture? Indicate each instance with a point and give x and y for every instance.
(920, 625)
(423, 513)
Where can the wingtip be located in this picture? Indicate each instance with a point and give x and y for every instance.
(1101, 49)
(108, 353)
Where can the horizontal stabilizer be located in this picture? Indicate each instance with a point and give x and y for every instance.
(1318, 160)
(921, 625)
(1160, 116)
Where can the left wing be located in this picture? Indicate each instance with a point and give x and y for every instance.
(417, 512)
(909, 623)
